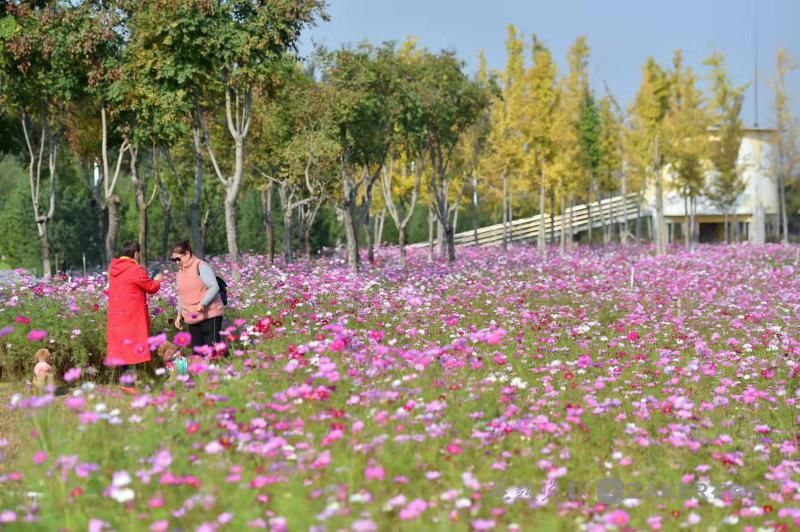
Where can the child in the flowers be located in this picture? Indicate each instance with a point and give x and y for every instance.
(42, 371)
(174, 359)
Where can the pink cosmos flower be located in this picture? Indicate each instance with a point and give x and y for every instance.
(277, 524)
(182, 339)
(97, 525)
(39, 457)
(72, 374)
(454, 448)
(374, 472)
(413, 510)
(5, 331)
(483, 524)
(8, 517)
(618, 518)
(364, 525)
(75, 403)
(37, 335)
(495, 337)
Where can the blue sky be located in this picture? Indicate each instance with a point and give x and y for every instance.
(621, 34)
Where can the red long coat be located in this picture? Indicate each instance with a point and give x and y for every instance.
(128, 318)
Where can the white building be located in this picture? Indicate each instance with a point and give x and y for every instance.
(758, 202)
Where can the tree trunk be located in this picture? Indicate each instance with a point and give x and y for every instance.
(288, 256)
(725, 225)
(269, 226)
(140, 193)
(784, 214)
(307, 241)
(379, 220)
(35, 159)
(625, 228)
(449, 234)
(639, 221)
(660, 225)
(475, 209)
(231, 195)
(571, 225)
(166, 214)
(589, 206)
(370, 236)
(112, 209)
(552, 217)
(401, 243)
(505, 211)
(230, 226)
(686, 220)
(431, 220)
(440, 240)
(44, 239)
(198, 244)
(351, 232)
(563, 225)
(542, 216)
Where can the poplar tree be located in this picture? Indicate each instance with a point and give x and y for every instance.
(726, 107)
(645, 138)
(567, 164)
(787, 159)
(538, 114)
(687, 133)
(610, 164)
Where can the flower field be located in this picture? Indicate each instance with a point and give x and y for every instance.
(607, 389)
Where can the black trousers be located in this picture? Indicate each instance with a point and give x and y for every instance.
(206, 332)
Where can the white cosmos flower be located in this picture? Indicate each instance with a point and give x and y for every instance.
(123, 495)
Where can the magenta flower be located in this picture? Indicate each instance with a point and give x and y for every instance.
(618, 518)
(364, 525)
(72, 374)
(159, 526)
(182, 339)
(413, 510)
(39, 457)
(374, 472)
(75, 403)
(5, 331)
(37, 335)
(8, 517)
(155, 341)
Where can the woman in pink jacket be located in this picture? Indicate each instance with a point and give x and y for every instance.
(199, 302)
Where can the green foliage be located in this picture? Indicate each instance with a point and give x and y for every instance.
(19, 244)
(726, 109)
(590, 129)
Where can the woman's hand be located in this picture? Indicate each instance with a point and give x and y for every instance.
(159, 277)
(178, 322)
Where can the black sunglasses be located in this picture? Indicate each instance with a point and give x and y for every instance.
(175, 259)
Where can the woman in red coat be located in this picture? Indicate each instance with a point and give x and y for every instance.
(128, 318)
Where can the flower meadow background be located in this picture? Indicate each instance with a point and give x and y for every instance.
(417, 399)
